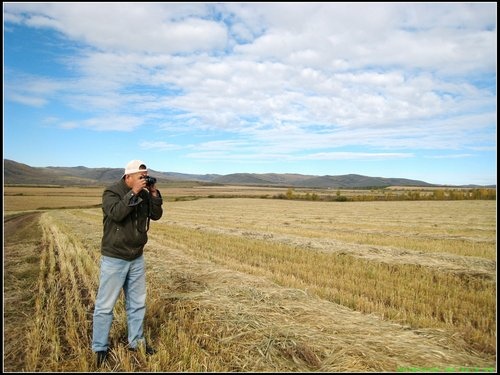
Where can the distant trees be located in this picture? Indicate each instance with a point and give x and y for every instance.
(465, 194)
(393, 195)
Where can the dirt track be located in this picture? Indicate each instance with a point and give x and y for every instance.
(14, 225)
(21, 259)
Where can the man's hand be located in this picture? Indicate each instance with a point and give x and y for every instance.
(139, 184)
(153, 191)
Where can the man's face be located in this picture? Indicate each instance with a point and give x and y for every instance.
(130, 179)
(138, 175)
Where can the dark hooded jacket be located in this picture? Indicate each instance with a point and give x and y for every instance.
(126, 220)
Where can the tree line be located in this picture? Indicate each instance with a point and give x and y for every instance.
(386, 195)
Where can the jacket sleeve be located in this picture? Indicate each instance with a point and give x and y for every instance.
(118, 207)
(156, 209)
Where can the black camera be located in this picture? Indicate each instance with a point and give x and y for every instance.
(150, 181)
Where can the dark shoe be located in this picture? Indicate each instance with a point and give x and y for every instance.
(148, 350)
(101, 357)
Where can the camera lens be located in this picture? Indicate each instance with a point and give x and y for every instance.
(149, 180)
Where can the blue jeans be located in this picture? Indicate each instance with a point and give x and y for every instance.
(115, 275)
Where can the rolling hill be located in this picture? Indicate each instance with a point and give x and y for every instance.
(21, 174)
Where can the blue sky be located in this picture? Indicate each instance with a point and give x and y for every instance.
(402, 90)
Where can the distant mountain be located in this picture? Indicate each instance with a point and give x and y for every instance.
(285, 179)
(358, 181)
(297, 180)
(20, 174)
(187, 177)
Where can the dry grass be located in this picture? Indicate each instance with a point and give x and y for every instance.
(466, 228)
(23, 198)
(21, 270)
(265, 285)
(406, 293)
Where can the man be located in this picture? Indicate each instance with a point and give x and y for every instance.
(128, 205)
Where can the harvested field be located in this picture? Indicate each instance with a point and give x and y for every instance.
(252, 285)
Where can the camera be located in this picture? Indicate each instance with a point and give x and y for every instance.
(150, 181)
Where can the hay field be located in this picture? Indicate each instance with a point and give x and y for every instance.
(24, 198)
(263, 285)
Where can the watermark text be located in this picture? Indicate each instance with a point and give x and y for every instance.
(445, 369)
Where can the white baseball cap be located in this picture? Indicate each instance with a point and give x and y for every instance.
(134, 166)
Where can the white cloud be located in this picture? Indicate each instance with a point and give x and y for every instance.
(127, 27)
(27, 100)
(290, 76)
(355, 156)
(227, 145)
(158, 145)
(30, 90)
(106, 123)
(451, 156)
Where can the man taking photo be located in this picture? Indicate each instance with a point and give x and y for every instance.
(128, 206)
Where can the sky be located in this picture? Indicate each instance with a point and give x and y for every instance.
(401, 90)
